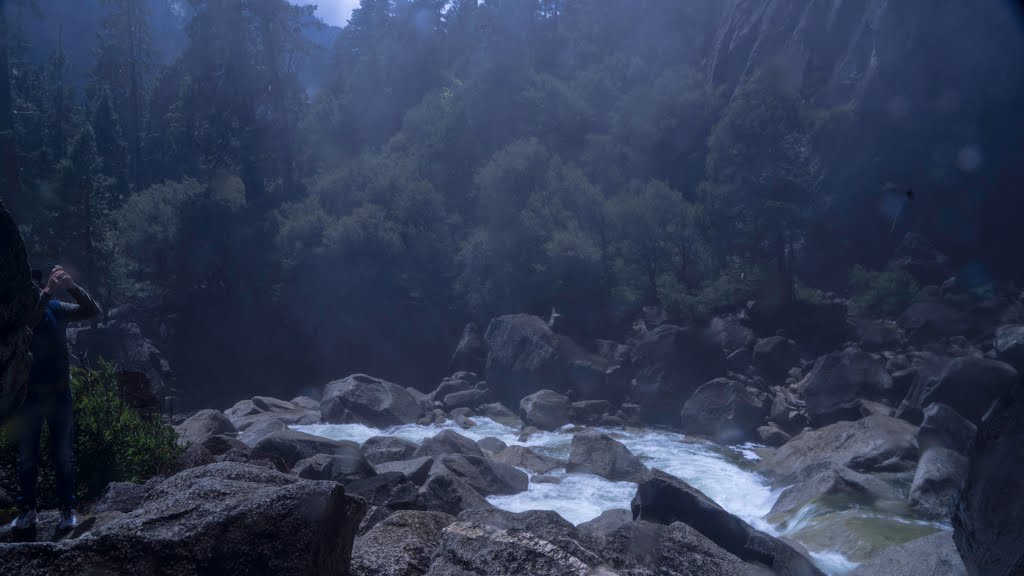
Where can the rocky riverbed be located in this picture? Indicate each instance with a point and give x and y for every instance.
(838, 445)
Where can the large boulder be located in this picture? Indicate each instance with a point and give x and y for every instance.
(588, 412)
(387, 448)
(466, 399)
(257, 431)
(988, 521)
(545, 524)
(872, 444)
(933, 555)
(400, 545)
(469, 548)
(471, 352)
(290, 446)
(525, 355)
(609, 521)
(342, 467)
(725, 411)
(528, 458)
(362, 399)
(879, 336)
(390, 490)
(834, 387)
(729, 333)
(944, 428)
(447, 442)
(938, 480)
(969, 385)
(546, 409)
(445, 492)
(416, 470)
(500, 414)
(1010, 346)
(832, 483)
(601, 455)
(448, 386)
(224, 518)
(486, 476)
(125, 496)
(124, 345)
(665, 499)
(774, 356)
(927, 322)
(259, 414)
(202, 425)
(647, 548)
(917, 377)
(670, 363)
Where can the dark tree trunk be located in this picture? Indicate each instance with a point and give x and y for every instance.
(9, 172)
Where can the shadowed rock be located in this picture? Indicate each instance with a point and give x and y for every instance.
(724, 411)
(386, 449)
(665, 499)
(840, 380)
(486, 476)
(447, 442)
(400, 545)
(933, 555)
(873, 444)
(601, 455)
(970, 385)
(290, 446)
(944, 428)
(987, 521)
(363, 399)
(937, 482)
(224, 518)
(202, 425)
(525, 457)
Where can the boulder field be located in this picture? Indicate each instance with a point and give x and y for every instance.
(890, 414)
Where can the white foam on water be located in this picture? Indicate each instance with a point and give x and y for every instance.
(579, 498)
(718, 472)
(832, 562)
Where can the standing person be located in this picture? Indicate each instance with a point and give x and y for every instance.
(49, 397)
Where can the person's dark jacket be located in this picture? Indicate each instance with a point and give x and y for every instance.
(51, 359)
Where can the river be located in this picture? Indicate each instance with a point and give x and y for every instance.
(838, 534)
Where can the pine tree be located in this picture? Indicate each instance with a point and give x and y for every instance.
(124, 57)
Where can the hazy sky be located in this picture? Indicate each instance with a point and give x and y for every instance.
(335, 12)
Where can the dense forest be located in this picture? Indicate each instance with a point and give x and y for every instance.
(296, 201)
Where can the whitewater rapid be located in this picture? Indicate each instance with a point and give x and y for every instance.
(725, 474)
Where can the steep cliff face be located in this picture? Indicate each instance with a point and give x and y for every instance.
(828, 47)
(924, 88)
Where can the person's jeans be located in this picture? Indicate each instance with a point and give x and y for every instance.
(57, 413)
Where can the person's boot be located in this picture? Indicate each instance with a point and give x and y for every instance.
(26, 520)
(68, 519)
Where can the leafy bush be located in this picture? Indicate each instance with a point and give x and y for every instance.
(887, 292)
(113, 443)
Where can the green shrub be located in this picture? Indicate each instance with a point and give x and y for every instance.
(886, 293)
(113, 443)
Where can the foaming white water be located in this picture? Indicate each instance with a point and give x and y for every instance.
(579, 498)
(740, 492)
(718, 472)
(832, 562)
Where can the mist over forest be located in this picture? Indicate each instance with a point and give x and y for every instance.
(616, 287)
(287, 201)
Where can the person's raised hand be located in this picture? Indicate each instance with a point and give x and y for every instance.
(65, 279)
(54, 282)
